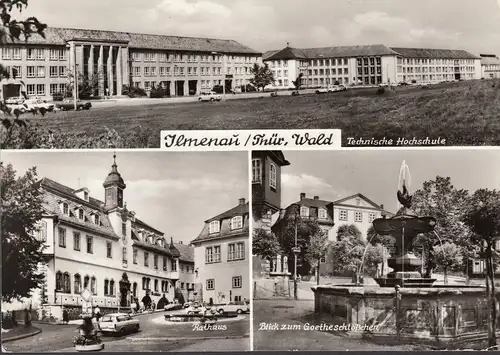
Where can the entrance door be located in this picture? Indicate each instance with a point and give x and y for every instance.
(179, 88)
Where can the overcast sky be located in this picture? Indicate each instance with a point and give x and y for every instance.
(335, 175)
(473, 25)
(173, 192)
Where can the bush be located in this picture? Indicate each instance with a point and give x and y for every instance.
(156, 93)
(58, 96)
(132, 91)
(380, 90)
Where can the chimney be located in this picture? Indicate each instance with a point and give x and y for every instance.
(316, 197)
(302, 195)
(381, 207)
(241, 201)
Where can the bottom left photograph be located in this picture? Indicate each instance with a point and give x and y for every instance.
(125, 251)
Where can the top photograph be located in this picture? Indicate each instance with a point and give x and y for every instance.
(115, 73)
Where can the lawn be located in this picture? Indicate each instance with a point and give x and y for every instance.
(463, 113)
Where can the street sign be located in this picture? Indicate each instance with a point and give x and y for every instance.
(296, 250)
(86, 295)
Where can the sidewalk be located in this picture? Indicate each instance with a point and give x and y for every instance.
(19, 332)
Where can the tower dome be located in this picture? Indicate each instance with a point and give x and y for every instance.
(114, 177)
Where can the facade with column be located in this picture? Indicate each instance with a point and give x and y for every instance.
(102, 246)
(222, 257)
(369, 65)
(182, 65)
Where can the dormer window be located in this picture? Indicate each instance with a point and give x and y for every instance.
(237, 222)
(304, 211)
(214, 227)
(322, 213)
(272, 175)
(81, 216)
(86, 196)
(65, 209)
(96, 219)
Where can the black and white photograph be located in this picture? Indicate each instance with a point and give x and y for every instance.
(125, 251)
(114, 73)
(376, 249)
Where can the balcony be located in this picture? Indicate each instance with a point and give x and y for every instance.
(174, 275)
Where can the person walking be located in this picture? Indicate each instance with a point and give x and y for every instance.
(65, 316)
(132, 307)
(97, 313)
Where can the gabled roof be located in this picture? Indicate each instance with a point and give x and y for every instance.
(337, 202)
(277, 156)
(238, 210)
(287, 53)
(434, 53)
(310, 202)
(60, 36)
(145, 225)
(187, 252)
(490, 60)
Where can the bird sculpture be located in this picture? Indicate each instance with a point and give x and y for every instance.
(404, 197)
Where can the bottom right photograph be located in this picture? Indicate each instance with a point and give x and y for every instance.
(379, 249)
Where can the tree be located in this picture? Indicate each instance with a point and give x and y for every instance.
(318, 245)
(265, 244)
(482, 215)
(438, 198)
(298, 82)
(22, 252)
(87, 84)
(382, 242)
(348, 230)
(262, 76)
(347, 252)
(449, 257)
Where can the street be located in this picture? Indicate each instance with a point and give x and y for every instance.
(155, 335)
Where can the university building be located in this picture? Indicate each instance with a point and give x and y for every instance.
(102, 246)
(221, 255)
(490, 66)
(182, 65)
(369, 65)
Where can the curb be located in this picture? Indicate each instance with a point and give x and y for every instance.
(188, 338)
(22, 336)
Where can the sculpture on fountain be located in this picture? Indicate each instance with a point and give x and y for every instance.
(404, 227)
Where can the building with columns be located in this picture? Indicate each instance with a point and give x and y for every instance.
(183, 65)
(369, 65)
(102, 246)
(222, 257)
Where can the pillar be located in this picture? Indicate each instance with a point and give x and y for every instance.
(110, 71)
(125, 66)
(172, 87)
(186, 87)
(119, 73)
(90, 63)
(81, 61)
(100, 70)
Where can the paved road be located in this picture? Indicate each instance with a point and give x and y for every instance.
(155, 335)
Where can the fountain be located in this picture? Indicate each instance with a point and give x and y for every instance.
(404, 306)
(87, 338)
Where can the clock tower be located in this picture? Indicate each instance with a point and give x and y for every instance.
(113, 188)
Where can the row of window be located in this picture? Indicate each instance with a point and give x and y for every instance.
(146, 285)
(326, 81)
(191, 58)
(235, 251)
(39, 71)
(491, 66)
(321, 213)
(313, 62)
(435, 77)
(167, 71)
(412, 61)
(434, 69)
(257, 169)
(79, 213)
(236, 283)
(15, 53)
(63, 284)
(236, 223)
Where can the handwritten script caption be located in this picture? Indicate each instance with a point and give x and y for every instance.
(310, 139)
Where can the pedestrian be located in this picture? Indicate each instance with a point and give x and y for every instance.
(65, 316)
(97, 313)
(132, 307)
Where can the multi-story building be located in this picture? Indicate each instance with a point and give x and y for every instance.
(103, 247)
(182, 65)
(186, 271)
(221, 255)
(490, 66)
(369, 65)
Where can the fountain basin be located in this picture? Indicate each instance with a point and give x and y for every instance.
(425, 315)
(185, 318)
(93, 347)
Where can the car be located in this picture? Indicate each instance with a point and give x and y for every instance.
(69, 104)
(37, 104)
(196, 309)
(336, 88)
(323, 90)
(234, 307)
(209, 96)
(20, 108)
(118, 323)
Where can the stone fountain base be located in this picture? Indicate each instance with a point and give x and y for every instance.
(438, 316)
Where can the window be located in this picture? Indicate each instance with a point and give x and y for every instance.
(112, 287)
(236, 251)
(86, 282)
(322, 213)
(174, 265)
(212, 254)
(304, 211)
(40, 89)
(323, 259)
(371, 217)
(182, 285)
(156, 285)
(237, 222)
(53, 71)
(124, 229)
(77, 284)
(80, 214)
(76, 241)
(272, 175)
(155, 261)
(164, 263)
(96, 219)
(343, 215)
(214, 227)
(62, 237)
(146, 259)
(124, 255)
(93, 285)
(210, 284)
(17, 71)
(30, 54)
(30, 72)
(90, 245)
(134, 256)
(41, 233)
(256, 171)
(237, 282)
(358, 217)
(62, 71)
(40, 54)
(109, 250)
(40, 72)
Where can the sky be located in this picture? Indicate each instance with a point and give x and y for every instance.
(473, 25)
(375, 173)
(172, 192)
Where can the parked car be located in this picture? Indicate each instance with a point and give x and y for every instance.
(21, 108)
(234, 307)
(209, 96)
(118, 323)
(323, 90)
(69, 104)
(336, 88)
(34, 104)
